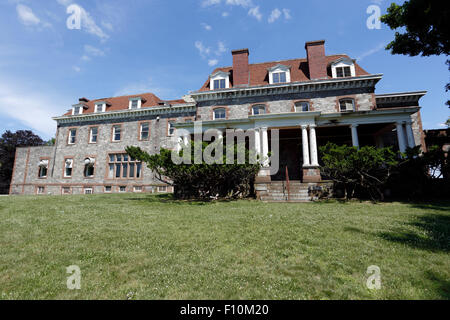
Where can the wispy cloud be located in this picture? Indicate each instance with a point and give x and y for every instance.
(204, 51)
(372, 51)
(287, 14)
(225, 14)
(213, 62)
(206, 26)
(28, 18)
(221, 48)
(144, 86)
(76, 69)
(207, 3)
(93, 51)
(274, 15)
(254, 12)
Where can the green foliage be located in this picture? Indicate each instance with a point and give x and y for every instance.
(367, 168)
(201, 181)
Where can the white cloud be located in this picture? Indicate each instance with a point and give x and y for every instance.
(372, 51)
(213, 62)
(204, 51)
(93, 51)
(274, 15)
(287, 14)
(242, 3)
(33, 109)
(255, 13)
(225, 14)
(76, 68)
(107, 25)
(143, 87)
(207, 3)
(206, 26)
(85, 58)
(221, 48)
(26, 15)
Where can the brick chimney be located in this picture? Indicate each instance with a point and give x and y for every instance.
(240, 68)
(317, 63)
(83, 100)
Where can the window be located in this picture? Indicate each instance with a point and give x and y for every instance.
(342, 72)
(135, 103)
(346, 105)
(144, 131)
(301, 106)
(258, 109)
(88, 190)
(122, 189)
(116, 132)
(72, 139)
(279, 77)
(121, 166)
(162, 189)
(68, 166)
(100, 107)
(43, 169)
(219, 84)
(66, 190)
(108, 189)
(77, 110)
(171, 127)
(93, 133)
(40, 190)
(89, 166)
(220, 113)
(137, 189)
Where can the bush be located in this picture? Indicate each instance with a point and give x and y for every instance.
(201, 181)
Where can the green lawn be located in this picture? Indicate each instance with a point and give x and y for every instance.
(149, 247)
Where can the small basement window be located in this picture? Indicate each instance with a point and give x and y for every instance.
(88, 190)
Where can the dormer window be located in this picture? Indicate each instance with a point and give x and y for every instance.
(135, 103)
(342, 68)
(279, 74)
(77, 109)
(220, 80)
(100, 107)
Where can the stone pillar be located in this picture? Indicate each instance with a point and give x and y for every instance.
(313, 142)
(265, 146)
(355, 139)
(401, 137)
(305, 145)
(410, 135)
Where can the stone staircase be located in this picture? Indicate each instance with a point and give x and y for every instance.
(278, 191)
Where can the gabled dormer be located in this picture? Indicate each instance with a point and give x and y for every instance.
(78, 109)
(219, 80)
(342, 68)
(279, 74)
(100, 106)
(135, 103)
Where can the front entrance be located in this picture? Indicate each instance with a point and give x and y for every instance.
(290, 155)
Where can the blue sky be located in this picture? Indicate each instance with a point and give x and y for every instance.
(170, 47)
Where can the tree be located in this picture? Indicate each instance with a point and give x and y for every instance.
(9, 141)
(368, 168)
(427, 28)
(201, 181)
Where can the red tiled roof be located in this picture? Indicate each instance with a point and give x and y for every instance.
(259, 75)
(122, 103)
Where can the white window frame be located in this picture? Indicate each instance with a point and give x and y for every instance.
(115, 126)
(43, 164)
(66, 166)
(69, 137)
(100, 107)
(120, 189)
(219, 75)
(169, 122)
(162, 189)
(278, 69)
(40, 188)
(140, 131)
(214, 114)
(88, 190)
(77, 106)
(91, 135)
(139, 103)
(89, 163)
(347, 99)
(299, 103)
(110, 189)
(135, 189)
(341, 63)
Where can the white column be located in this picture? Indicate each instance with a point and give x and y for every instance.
(313, 143)
(257, 141)
(355, 139)
(410, 135)
(401, 137)
(305, 145)
(265, 147)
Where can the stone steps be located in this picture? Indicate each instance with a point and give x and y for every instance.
(277, 192)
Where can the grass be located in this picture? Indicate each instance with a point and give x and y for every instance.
(150, 247)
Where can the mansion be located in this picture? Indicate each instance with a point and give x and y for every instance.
(309, 102)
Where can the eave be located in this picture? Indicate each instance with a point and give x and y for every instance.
(288, 88)
(401, 97)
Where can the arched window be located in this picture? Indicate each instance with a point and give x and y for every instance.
(346, 105)
(258, 109)
(220, 113)
(302, 106)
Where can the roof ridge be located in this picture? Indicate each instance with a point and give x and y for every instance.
(124, 96)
